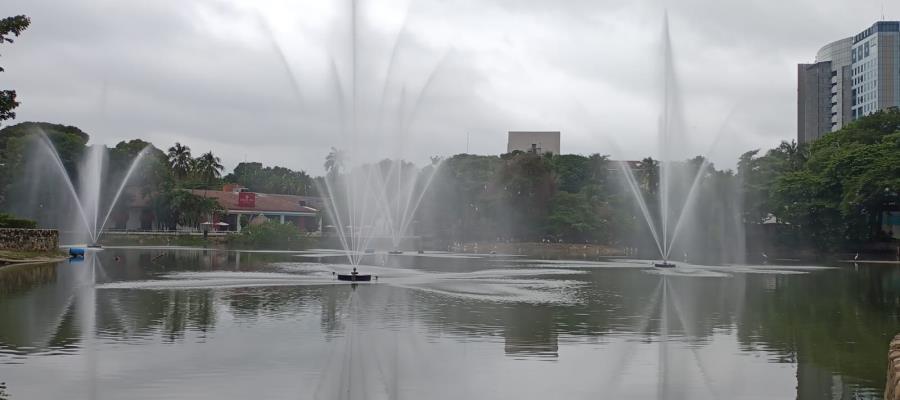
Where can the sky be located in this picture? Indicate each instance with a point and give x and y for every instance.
(283, 81)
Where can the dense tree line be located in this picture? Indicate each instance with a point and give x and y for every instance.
(569, 198)
(834, 193)
(280, 180)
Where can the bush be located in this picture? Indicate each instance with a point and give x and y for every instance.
(271, 235)
(7, 221)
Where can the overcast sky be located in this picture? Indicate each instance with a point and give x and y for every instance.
(273, 80)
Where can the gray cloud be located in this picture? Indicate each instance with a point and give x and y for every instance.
(260, 80)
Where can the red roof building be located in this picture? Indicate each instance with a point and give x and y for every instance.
(242, 207)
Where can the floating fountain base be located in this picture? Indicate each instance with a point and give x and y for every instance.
(95, 246)
(664, 264)
(395, 252)
(354, 277)
(369, 251)
(76, 252)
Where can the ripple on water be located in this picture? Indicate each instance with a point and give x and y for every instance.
(218, 279)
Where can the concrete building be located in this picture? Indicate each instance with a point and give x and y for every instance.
(850, 78)
(876, 68)
(813, 101)
(534, 142)
(823, 96)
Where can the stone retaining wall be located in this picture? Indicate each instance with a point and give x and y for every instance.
(29, 239)
(892, 390)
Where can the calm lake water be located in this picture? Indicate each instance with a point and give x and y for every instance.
(142, 323)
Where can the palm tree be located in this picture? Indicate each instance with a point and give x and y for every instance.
(334, 161)
(208, 167)
(180, 160)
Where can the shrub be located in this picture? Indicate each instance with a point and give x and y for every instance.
(271, 235)
(7, 221)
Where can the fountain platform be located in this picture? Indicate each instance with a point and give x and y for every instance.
(354, 277)
(664, 264)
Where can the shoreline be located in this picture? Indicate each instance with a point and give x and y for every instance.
(14, 257)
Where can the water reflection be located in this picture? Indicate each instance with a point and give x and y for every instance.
(604, 328)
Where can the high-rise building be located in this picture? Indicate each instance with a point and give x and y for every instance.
(876, 68)
(823, 97)
(813, 101)
(851, 77)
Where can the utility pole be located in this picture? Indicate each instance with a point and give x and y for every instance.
(467, 142)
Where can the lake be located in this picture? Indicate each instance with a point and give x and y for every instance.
(179, 323)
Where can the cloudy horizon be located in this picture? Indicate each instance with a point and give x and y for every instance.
(273, 81)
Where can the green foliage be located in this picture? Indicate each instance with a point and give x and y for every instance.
(201, 172)
(572, 217)
(572, 171)
(271, 235)
(208, 167)
(7, 221)
(180, 160)
(850, 178)
(17, 140)
(10, 27)
(759, 174)
(69, 141)
(175, 207)
(334, 161)
(276, 180)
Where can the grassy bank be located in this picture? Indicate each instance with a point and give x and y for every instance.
(16, 256)
(162, 240)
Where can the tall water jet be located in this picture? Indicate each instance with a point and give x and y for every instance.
(79, 203)
(374, 203)
(681, 184)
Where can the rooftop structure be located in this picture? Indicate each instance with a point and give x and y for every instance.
(533, 142)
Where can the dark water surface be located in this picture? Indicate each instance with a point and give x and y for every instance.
(140, 323)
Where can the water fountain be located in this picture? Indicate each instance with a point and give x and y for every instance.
(674, 225)
(80, 211)
(366, 202)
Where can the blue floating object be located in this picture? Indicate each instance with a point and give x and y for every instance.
(76, 252)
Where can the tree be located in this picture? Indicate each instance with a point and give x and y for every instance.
(572, 170)
(208, 167)
(571, 217)
(180, 160)
(334, 161)
(10, 27)
(181, 207)
(276, 180)
(17, 142)
(839, 191)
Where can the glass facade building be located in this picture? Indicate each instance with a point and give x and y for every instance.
(875, 75)
(862, 74)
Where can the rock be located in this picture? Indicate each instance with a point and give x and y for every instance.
(892, 389)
